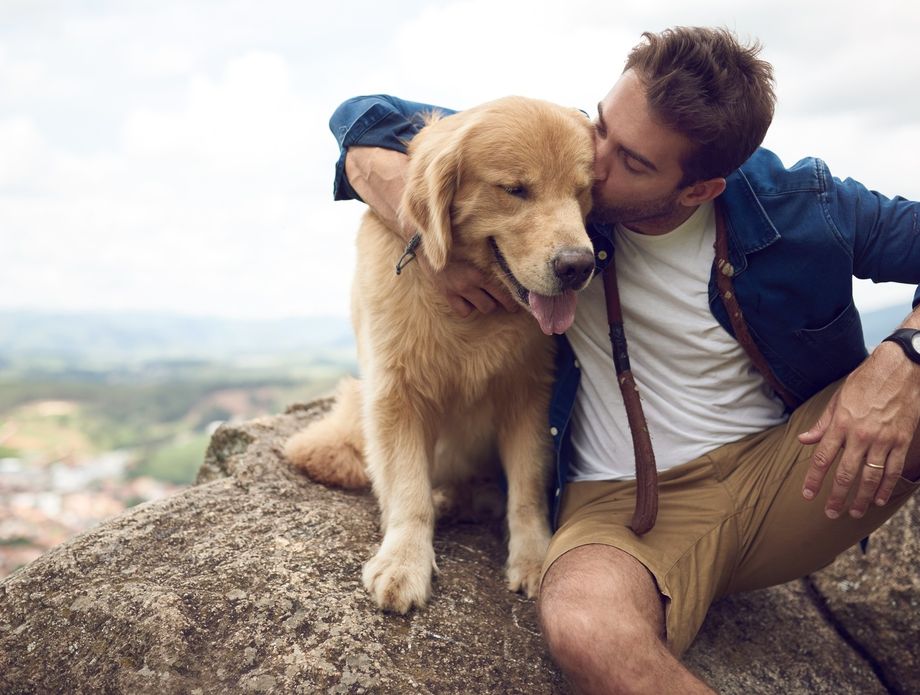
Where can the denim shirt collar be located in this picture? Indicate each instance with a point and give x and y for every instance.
(750, 229)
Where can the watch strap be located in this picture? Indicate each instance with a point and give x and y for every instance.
(905, 337)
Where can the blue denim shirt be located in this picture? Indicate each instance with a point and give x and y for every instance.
(797, 237)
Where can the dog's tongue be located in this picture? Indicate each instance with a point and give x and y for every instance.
(555, 314)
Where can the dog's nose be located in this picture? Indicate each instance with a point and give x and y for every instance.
(573, 267)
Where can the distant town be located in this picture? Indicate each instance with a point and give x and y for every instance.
(102, 412)
(44, 505)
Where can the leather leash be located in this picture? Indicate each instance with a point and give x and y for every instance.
(646, 510)
(724, 272)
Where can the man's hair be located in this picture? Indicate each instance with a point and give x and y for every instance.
(707, 86)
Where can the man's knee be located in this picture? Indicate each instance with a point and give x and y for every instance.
(598, 593)
(603, 621)
(567, 626)
(572, 628)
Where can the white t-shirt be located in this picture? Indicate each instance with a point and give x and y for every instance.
(698, 387)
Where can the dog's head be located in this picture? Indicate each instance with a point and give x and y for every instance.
(507, 186)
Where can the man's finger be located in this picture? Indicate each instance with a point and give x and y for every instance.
(821, 461)
(845, 475)
(501, 295)
(481, 300)
(893, 469)
(460, 306)
(814, 435)
(870, 479)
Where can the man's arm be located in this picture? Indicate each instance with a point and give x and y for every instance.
(372, 133)
(875, 414)
(378, 176)
(872, 418)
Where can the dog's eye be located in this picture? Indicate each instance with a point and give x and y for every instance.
(517, 191)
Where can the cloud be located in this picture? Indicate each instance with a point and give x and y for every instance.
(24, 153)
(248, 119)
(176, 155)
(202, 207)
(19, 77)
(474, 50)
(163, 61)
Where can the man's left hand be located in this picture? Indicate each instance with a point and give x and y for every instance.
(872, 419)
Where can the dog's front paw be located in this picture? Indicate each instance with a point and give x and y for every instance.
(524, 577)
(525, 563)
(400, 578)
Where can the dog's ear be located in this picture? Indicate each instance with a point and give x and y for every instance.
(434, 175)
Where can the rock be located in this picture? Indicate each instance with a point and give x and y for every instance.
(250, 582)
(873, 599)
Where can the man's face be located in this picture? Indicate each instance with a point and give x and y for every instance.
(637, 162)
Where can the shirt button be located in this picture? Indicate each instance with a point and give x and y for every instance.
(602, 255)
(553, 431)
(577, 365)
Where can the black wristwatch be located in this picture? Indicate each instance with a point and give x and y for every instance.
(909, 340)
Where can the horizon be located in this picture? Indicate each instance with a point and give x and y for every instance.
(81, 337)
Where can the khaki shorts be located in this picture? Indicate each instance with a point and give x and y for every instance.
(730, 521)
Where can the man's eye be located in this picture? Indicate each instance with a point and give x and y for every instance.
(631, 167)
(517, 191)
(601, 131)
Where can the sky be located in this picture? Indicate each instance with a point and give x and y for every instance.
(174, 155)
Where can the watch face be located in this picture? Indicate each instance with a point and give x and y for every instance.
(915, 341)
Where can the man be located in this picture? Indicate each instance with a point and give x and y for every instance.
(754, 490)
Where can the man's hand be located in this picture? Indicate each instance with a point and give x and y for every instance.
(468, 289)
(379, 177)
(872, 418)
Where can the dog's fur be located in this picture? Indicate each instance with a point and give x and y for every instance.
(439, 395)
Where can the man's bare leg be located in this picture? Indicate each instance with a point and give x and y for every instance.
(603, 621)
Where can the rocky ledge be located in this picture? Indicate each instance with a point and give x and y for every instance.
(249, 582)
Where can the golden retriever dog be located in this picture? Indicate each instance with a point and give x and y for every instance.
(506, 187)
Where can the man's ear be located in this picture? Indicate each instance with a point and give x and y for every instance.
(701, 192)
(434, 174)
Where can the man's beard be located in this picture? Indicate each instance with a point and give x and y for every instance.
(636, 213)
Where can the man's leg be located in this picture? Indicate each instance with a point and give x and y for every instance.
(783, 535)
(604, 622)
(912, 463)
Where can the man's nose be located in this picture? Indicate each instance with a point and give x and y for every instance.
(600, 171)
(600, 161)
